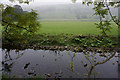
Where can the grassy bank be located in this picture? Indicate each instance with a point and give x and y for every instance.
(66, 33)
(73, 27)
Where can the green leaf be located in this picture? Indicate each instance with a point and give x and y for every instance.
(74, 55)
(71, 64)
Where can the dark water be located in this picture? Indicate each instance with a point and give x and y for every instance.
(65, 64)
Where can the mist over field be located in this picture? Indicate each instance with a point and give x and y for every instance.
(67, 11)
(60, 9)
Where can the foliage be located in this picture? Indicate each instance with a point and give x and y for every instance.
(46, 39)
(17, 26)
(71, 40)
(102, 9)
(94, 42)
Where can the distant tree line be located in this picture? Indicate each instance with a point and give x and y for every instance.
(17, 9)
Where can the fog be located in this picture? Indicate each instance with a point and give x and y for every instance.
(59, 9)
(41, 2)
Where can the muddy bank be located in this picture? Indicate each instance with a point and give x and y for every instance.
(61, 48)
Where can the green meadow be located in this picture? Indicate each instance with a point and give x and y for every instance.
(73, 27)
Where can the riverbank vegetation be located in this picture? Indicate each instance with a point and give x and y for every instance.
(63, 42)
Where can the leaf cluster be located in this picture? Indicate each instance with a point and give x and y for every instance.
(102, 9)
(19, 25)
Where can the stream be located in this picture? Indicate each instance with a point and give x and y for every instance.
(59, 64)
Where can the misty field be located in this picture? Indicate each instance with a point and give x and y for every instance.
(73, 27)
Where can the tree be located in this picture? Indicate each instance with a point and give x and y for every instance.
(102, 9)
(18, 24)
(18, 9)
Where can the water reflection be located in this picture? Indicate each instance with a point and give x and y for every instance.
(9, 60)
(118, 65)
(98, 63)
(0, 63)
(92, 63)
(57, 64)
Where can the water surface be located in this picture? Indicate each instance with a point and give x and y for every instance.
(65, 64)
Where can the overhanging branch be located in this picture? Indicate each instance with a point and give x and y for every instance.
(111, 15)
(16, 26)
